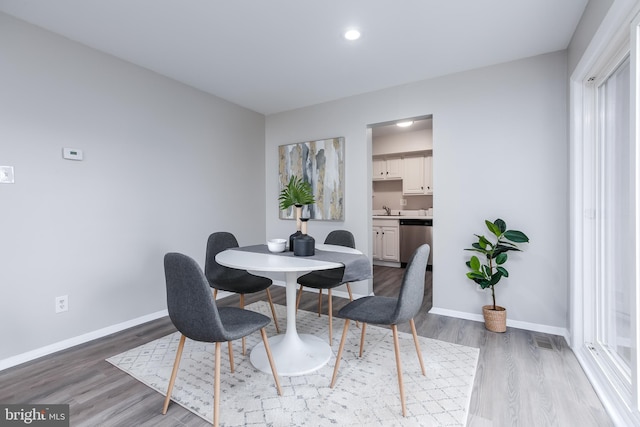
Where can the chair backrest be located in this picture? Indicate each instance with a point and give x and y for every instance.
(412, 288)
(341, 238)
(189, 300)
(217, 243)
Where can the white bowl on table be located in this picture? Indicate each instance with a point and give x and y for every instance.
(276, 245)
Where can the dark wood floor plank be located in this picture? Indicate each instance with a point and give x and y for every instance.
(517, 382)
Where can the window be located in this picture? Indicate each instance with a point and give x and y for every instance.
(615, 224)
(605, 217)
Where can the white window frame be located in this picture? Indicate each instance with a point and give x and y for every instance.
(617, 35)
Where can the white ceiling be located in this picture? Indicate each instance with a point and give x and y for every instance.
(277, 55)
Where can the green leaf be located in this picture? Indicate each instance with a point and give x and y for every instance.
(503, 271)
(496, 278)
(482, 251)
(474, 263)
(475, 275)
(493, 228)
(501, 258)
(502, 226)
(516, 236)
(502, 249)
(296, 192)
(478, 248)
(486, 270)
(482, 241)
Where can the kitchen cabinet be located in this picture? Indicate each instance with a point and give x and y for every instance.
(417, 179)
(387, 168)
(386, 240)
(428, 174)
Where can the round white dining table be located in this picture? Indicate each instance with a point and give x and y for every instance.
(293, 353)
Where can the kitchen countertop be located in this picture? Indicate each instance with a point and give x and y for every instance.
(397, 217)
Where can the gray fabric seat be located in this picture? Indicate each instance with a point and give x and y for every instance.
(390, 311)
(328, 279)
(194, 313)
(231, 279)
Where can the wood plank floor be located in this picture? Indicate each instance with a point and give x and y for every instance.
(518, 382)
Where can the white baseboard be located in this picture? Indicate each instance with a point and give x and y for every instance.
(553, 330)
(80, 339)
(387, 263)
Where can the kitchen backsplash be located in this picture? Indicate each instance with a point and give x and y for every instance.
(389, 193)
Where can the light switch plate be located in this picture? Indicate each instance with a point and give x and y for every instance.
(6, 175)
(72, 154)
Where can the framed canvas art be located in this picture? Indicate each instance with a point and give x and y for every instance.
(321, 164)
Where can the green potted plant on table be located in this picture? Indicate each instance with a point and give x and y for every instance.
(488, 271)
(296, 193)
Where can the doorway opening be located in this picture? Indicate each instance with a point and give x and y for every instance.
(402, 194)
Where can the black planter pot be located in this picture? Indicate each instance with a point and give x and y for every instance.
(304, 245)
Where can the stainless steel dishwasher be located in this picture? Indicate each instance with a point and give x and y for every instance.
(413, 233)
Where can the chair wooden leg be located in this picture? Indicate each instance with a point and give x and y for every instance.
(298, 299)
(364, 330)
(244, 340)
(330, 319)
(215, 294)
(172, 380)
(216, 388)
(339, 356)
(349, 290)
(351, 299)
(319, 302)
(396, 346)
(415, 340)
(271, 362)
(273, 311)
(232, 365)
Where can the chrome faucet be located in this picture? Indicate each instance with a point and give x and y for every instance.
(387, 210)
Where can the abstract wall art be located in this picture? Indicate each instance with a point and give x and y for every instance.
(321, 164)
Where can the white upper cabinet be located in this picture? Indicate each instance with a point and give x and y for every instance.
(417, 179)
(387, 168)
(413, 180)
(428, 174)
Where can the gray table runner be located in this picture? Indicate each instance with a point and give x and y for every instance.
(356, 266)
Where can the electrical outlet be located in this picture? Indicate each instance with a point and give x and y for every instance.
(62, 303)
(403, 202)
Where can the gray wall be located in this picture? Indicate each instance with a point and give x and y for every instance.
(165, 165)
(500, 138)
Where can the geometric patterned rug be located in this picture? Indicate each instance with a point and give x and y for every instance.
(366, 391)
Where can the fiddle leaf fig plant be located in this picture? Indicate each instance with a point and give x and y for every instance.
(296, 193)
(489, 268)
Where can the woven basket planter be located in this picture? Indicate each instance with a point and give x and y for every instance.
(495, 320)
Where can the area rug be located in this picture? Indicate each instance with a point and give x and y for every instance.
(365, 394)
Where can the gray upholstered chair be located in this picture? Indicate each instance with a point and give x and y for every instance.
(231, 279)
(390, 311)
(328, 279)
(194, 313)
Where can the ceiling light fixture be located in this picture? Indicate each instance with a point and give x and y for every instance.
(352, 35)
(404, 124)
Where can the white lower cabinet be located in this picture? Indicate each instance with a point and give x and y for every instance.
(386, 240)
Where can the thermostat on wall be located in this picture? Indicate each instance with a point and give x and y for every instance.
(72, 153)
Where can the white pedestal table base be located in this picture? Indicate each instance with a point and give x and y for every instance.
(293, 353)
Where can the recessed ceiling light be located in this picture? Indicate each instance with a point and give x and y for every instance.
(352, 35)
(404, 124)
